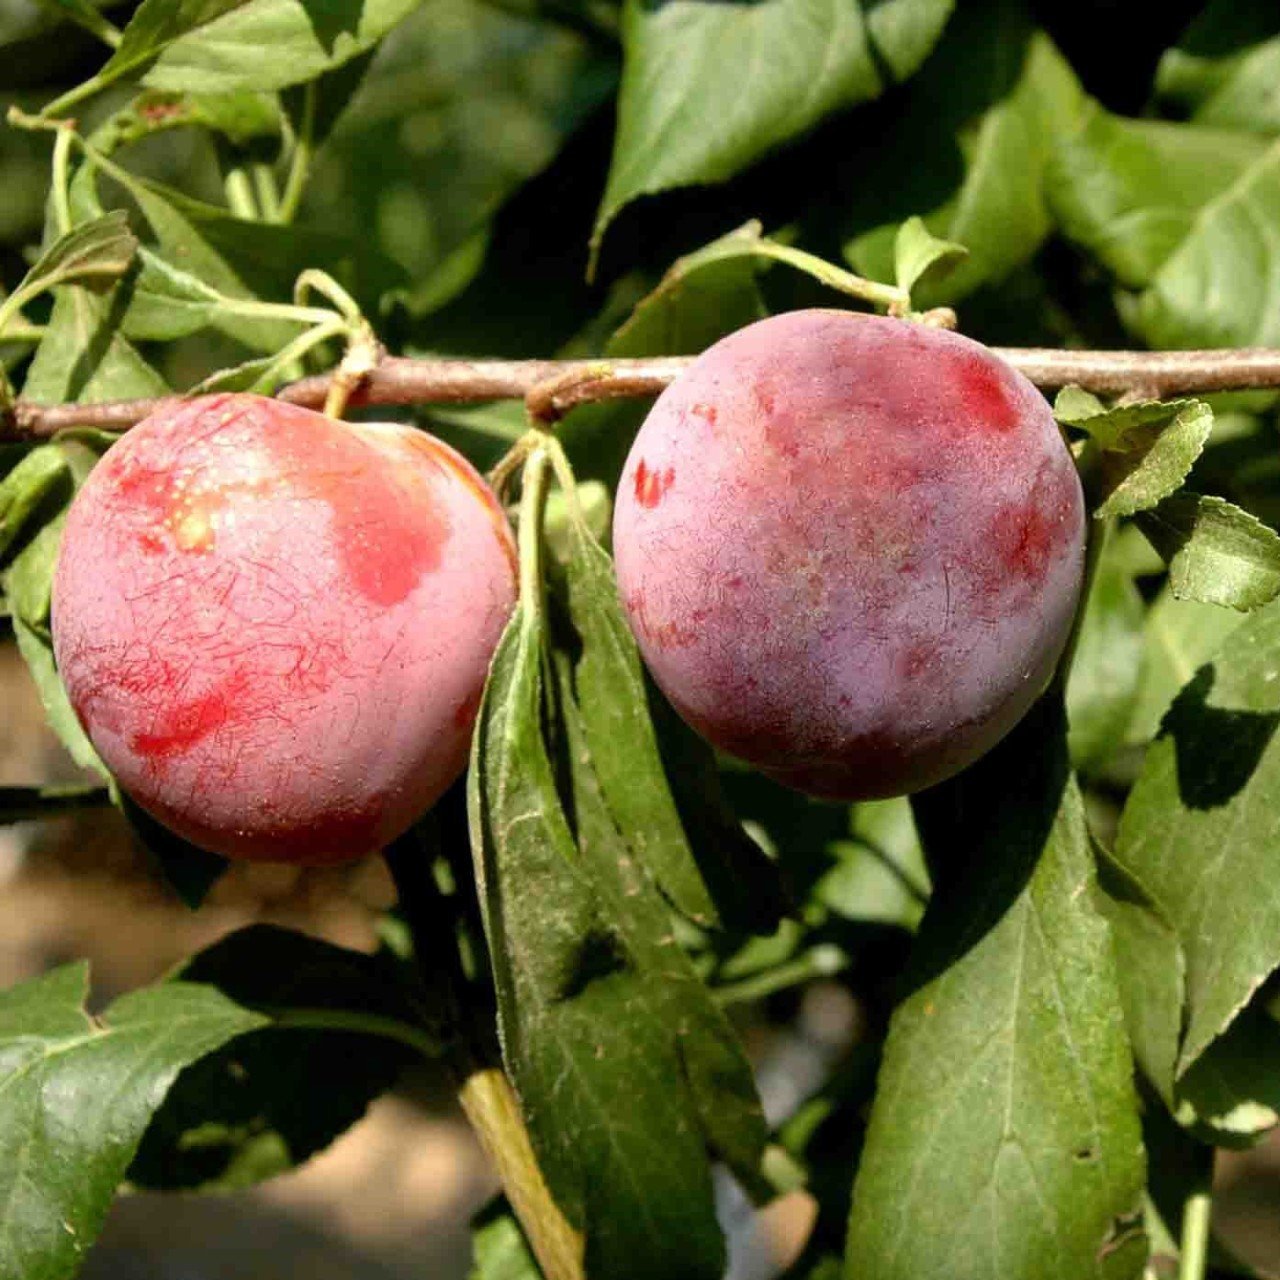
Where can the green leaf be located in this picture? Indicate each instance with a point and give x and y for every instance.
(916, 251)
(94, 254)
(85, 356)
(1180, 635)
(1230, 1096)
(1221, 286)
(1217, 553)
(879, 875)
(1148, 448)
(1151, 969)
(26, 487)
(1197, 831)
(966, 150)
(271, 44)
(1102, 687)
(499, 1250)
(37, 652)
(468, 102)
(1004, 1136)
(684, 66)
(272, 1099)
(687, 310)
(1225, 68)
(76, 1093)
(610, 689)
(1130, 191)
(600, 1017)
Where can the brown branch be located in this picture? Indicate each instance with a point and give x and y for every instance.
(402, 381)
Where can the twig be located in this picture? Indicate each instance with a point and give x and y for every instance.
(403, 381)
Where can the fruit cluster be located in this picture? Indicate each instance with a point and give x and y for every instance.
(850, 549)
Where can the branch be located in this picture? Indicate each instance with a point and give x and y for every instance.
(402, 381)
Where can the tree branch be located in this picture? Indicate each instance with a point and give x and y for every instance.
(403, 381)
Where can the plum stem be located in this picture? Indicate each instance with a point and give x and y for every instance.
(400, 380)
(533, 503)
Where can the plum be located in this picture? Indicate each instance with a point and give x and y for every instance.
(275, 627)
(851, 549)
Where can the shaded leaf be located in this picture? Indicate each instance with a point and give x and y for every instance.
(1198, 831)
(684, 63)
(1230, 1096)
(273, 1098)
(37, 653)
(189, 871)
(967, 151)
(65, 1151)
(1217, 553)
(1225, 69)
(1180, 635)
(1004, 1135)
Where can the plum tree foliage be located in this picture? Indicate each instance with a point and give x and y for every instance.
(908, 680)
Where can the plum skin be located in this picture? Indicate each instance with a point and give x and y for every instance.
(851, 549)
(275, 627)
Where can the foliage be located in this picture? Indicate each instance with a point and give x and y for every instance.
(1065, 952)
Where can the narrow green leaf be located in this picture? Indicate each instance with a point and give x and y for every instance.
(85, 357)
(684, 64)
(1198, 829)
(1217, 553)
(65, 1151)
(1004, 1136)
(37, 652)
(916, 251)
(600, 1017)
(611, 691)
(269, 1101)
(619, 734)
